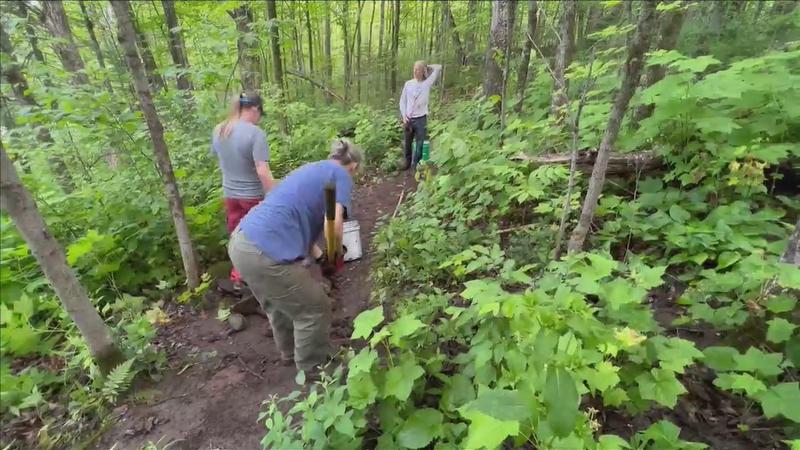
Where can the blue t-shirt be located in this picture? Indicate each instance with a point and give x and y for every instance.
(292, 215)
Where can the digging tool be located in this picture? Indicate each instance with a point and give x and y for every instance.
(333, 259)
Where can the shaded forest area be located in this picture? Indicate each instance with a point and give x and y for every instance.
(602, 252)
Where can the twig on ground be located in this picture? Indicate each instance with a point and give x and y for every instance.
(399, 201)
(247, 368)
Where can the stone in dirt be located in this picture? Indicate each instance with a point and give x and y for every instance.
(237, 322)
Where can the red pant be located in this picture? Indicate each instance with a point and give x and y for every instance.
(235, 210)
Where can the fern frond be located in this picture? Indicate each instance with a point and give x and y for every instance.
(118, 381)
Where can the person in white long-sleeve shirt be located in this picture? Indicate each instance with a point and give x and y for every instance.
(414, 109)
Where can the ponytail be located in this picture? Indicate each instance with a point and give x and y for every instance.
(246, 100)
(345, 152)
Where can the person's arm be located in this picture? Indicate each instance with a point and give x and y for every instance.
(265, 175)
(261, 161)
(403, 112)
(437, 69)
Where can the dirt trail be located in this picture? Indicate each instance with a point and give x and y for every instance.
(211, 394)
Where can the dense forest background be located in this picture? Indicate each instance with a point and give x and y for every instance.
(663, 138)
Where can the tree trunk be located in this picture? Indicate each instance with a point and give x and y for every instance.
(783, 6)
(12, 72)
(369, 35)
(98, 52)
(126, 35)
(22, 11)
(563, 59)
(55, 19)
(792, 253)
(347, 56)
(395, 44)
(499, 35)
(522, 71)
(275, 44)
(632, 72)
(247, 48)
(177, 48)
(358, 52)
(328, 57)
(469, 36)
(20, 205)
(310, 42)
(451, 25)
(151, 68)
(431, 33)
(670, 30)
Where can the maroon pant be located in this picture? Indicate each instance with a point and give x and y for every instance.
(235, 210)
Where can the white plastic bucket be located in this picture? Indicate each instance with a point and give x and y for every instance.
(351, 240)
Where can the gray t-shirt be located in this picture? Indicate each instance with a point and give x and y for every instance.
(237, 155)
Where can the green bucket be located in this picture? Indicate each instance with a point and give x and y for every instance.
(426, 150)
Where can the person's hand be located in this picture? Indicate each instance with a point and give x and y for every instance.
(405, 120)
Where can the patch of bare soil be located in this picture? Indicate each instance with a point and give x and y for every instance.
(211, 394)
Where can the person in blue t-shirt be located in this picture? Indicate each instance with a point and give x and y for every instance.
(272, 242)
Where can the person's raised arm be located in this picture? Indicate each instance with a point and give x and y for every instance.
(437, 69)
(265, 175)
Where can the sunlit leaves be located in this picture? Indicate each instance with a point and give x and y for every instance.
(366, 322)
(661, 386)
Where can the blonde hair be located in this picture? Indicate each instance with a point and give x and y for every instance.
(345, 152)
(424, 66)
(246, 100)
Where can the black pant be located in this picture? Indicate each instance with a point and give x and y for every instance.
(417, 127)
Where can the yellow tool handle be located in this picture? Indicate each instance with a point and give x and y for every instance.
(330, 219)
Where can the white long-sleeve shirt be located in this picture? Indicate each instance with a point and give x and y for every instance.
(414, 99)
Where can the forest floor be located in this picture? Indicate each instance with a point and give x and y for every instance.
(211, 393)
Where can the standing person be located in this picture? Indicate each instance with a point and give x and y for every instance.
(273, 243)
(243, 154)
(414, 108)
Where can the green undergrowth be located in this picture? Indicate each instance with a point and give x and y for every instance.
(480, 339)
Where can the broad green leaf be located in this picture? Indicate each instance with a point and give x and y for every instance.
(406, 325)
(695, 65)
(679, 214)
(781, 304)
(400, 379)
(782, 399)
(620, 292)
(501, 404)
(486, 431)
(780, 330)
(600, 267)
(459, 391)
(675, 353)
(420, 428)
(366, 322)
(754, 360)
(612, 442)
(721, 358)
(602, 376)
(362, 362)
(661, 386)
(361, 390)
(727, 259)
(561, 398)
(649, 277)
(740, 382)
(789, 276)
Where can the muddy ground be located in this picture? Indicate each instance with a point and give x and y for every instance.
(211, 395)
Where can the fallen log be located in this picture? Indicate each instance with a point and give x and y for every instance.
(618, 163)
(315, 83)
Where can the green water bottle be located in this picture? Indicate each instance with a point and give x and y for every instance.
(426, 150)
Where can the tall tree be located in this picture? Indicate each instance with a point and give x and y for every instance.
(275, 44)
(328, 56)
(151, 68)
(634, 62)
(21, 207)
(469, 34)
(499, 36)
(24, 13)
(247, 48)
(522, 71)
(345, 19)
(358, 51)
(12, 73)
(177, 48)
(381, 54)
(127, 39)
(56, 22)
(450, 25)
(98, 52)
(395, 44)
(669, 31)
(564, 53)
(310, 40)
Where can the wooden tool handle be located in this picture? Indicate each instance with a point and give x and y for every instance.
(330, 219)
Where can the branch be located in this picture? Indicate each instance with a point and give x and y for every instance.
(618, 164)
(315, 84)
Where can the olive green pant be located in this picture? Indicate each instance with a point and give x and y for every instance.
(298, 309)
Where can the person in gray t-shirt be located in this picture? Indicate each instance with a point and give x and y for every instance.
(243, 154)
